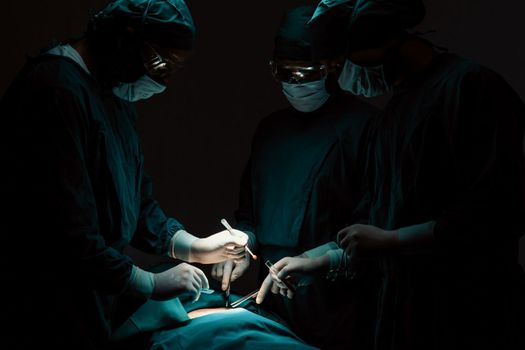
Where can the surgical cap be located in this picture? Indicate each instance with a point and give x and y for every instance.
(294, 37)
(374, 21)
(326, 6)
(370, 22)
(298, 40)
(166, 22)
(330, 30)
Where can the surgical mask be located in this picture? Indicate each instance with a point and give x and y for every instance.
(306, 97)
(363, 81)
(142, 89)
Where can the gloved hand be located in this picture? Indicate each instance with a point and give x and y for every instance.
(220, 247)
(183, 278)
(228, 271)
(210, 250)
(297, 271)
(364, 241)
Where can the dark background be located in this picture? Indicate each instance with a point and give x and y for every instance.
(196, 136)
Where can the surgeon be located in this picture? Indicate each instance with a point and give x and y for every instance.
(79, 214)
(446, 177)
(303, 181)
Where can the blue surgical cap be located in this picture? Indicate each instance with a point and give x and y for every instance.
(294, 38)
(375, 21)
(329, 25)
(326, 5)
(166, 21)
(371, 22)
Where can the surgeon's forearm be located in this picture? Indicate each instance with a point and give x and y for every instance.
(323, 263)
(145, 260)
(416, 239)
(320, 250)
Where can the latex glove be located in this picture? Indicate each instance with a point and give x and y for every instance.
(210, 250)
(363, 241)
(220, 247)
(229, 270)
(367, 240)
(298, 271)
(183, 278)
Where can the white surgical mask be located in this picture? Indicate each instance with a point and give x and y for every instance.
(306, 97)
(142, 89)
(363, 81)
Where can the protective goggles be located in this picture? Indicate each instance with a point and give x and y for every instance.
(293, 74)
(160, 63)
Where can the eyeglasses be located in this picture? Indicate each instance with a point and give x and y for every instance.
(294, 74)
(160, 65)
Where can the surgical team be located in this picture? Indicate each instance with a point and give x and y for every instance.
(391, 228)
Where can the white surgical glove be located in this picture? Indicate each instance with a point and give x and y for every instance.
(210, 250)
(183, 278)
(292, 272)
(366, 240)
(229, 270)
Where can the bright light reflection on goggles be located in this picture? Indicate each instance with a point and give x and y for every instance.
(294, 74)
(157, 65)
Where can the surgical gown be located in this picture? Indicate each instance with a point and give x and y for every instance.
(448, 148)
(73, 194)
(299, 189)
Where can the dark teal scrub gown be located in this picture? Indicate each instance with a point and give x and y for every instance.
(73, 193)
(449, 148)
(301, 185)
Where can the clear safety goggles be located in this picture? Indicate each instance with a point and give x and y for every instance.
(294, 74)
(161, 63)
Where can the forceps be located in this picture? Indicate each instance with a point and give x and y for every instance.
(243, 299)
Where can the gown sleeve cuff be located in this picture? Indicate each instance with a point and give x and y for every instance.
(339, 265)
(320, 250)
(173, 226)
(252, 240)
(141, 283)
(335, 255)
(181, 245)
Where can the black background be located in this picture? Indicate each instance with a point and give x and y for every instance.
(196, 136)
